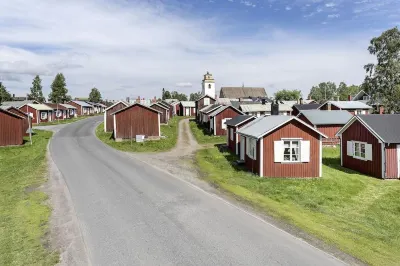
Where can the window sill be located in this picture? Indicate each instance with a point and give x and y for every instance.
(292, 162)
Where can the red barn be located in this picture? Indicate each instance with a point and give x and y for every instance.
(233, 125)
(108, 117)
(164, 117)
(220, 116)
(355, 108)
(329, 123)
(136, 119)
(282, 146)
(370, 144)
(187, 108)
(205, 100)
(11, 128)
(39, 113)
(18, 112)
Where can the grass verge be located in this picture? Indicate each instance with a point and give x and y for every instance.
(65, 121)
(356, 213)
(203, 136)
(23, 213)
(170, 131)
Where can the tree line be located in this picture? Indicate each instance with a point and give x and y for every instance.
(179, 96)
(58, 94)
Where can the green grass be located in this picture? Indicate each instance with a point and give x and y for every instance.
(65, 121)
(23, 213)
(203, 136)
(170, 131)
(356, 213)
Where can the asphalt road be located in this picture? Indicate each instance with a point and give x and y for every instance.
(133, 214)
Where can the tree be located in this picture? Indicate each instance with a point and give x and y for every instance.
(4, 94)
(287, 95)
(178, 96)
(323, 92)
(36, 90)
(95, 95)
(344, 91)
(383, 78)
(165, 94)
(59, 90)
(194, 96)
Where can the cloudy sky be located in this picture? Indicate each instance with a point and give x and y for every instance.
(131, 48)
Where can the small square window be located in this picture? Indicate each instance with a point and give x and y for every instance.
(291, 151)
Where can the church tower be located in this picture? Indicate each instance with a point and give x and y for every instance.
(208, 85)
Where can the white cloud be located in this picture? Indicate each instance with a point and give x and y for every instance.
(288, 8)
(131, 51)
(331, 4)
(333, 15)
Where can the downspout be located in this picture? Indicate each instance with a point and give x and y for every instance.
(383, 166)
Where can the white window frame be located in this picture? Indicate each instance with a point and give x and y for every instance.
(359, 144)
(291, 141)
(44, 115)
(223, 125)
(251, 148)
(206, 101)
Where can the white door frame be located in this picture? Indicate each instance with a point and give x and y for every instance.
(398, 160)
(242, 147)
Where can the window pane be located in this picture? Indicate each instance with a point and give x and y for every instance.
(295, 144)
(286, 144)
(287, 151)
(295, 151)
(295, 158)
(286, 158)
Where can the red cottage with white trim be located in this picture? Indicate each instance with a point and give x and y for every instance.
(233, 125)
(220, 116)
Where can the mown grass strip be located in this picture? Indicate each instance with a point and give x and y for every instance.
(202, 135)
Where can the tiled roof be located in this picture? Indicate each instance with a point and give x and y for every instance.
(188, 104)
(242, 92)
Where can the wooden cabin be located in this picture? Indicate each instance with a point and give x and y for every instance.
(18, 112)
(136, 119)
(281, 146)
(60, 112)
(353, 107)
(220, 116)
(109, 118)
(187, 108)
(204, 113)
(298, 108)
(204, 101)
(82, 108)
(328, 123)
(40, 113)
(11, 128)
(164, 117)
(233, 125)
(370, 144)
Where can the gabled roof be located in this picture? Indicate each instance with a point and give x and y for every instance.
(18, 104)
(160, 105)
(96, 104)
(385, 127)
(68, 106)
(238, 120)
(308, 106)
(167, 105)
(171, 100)
(241, 92)
(224, 107)
(204, 97)
(359, 95)
(224, 101)
(348, 105)
(188, 104)
(264, 125)
(291, 103)
(258, 107)
(209, 108)
(55, 106)
(83, 104)
(321, 117)
(10, 113)
(136, 104)
(39, 107)
(123, 102)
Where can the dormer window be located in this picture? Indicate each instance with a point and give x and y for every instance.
(366, 97)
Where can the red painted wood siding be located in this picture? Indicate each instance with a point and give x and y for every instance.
(232, 143)
(304, 119)
(227, 113)
(252, 165)
(78, 108)
(357, 132)
(36, 115)
(24, 115)
(330, 131)
(391, 161)
(109, 117)
(136, 120)
(163, 115)
(293, 129)
(200, 105)
(11, 129)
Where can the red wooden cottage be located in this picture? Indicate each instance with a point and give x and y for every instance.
(136, 119)
(18, 112)
(39, 113)
(108, 117)
(82, 108)
(298, 108)
(170, 108)
(234, 125)
(354, 107)
(328, 123)
(59, 112)
(370, 144)
(204, 113)
(164, 117)
(71, 110)
(205, 100)
(187, 108)
(11, 128)
(176, 108)
(282, 146)
(220, 116)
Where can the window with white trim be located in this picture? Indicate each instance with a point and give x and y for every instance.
(223, 125)
(251, 148)
(359, 150)
(231, 133)
(206, 101)
(291, 151)
(43, 115)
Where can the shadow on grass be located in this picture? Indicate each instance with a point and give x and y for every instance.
(232, 158)
(204, 129)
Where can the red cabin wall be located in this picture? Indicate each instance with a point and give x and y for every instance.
(24, 115)
(11, 129)
(227, 113)
(293, 129)
(357, 132)
(200, 105)
(330, 131)
(78, 108)
(304, 119)
(163, 115)
(252, 165)
(391, 161)
(232, 143)
(36, 115)
(137, 120)
(109, 117)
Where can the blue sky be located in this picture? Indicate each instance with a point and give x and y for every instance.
(132, 48)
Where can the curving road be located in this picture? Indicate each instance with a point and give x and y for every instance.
(133, 214)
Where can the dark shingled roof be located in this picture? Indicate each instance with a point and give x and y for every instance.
(386, 126)
(310, 106)
(241, 92)
(238, 120)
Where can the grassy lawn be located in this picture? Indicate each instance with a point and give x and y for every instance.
(356, 213)
(65, 121)
(170, 131)
(203, 136)
(23, 214)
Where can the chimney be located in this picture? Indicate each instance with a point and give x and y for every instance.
(275, 108)
(301, 100)
(349, 98)
(329, 106)
(138, 99)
